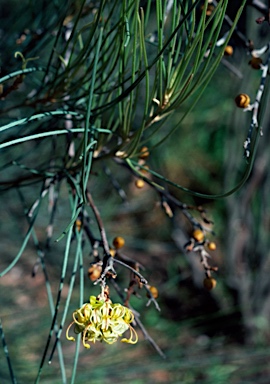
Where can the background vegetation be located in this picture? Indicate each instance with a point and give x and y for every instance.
(216, 336)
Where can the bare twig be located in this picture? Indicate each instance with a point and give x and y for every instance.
(142, 279)
(139, 323)
(149, 338)
(255, 108)
(100, 224)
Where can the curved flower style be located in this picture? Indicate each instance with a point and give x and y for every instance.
(100, 319)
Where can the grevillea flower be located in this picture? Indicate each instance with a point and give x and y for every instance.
(100, 319)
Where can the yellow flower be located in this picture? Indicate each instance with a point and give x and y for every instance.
(100, 319)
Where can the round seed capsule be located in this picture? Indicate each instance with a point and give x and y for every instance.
(145, 171)
(209, 283)
(78, 225)
(139, 183)
(228, 51)
(198, 235)
(118, 242)
(255, 62)
(242, 100)
(212, 246)
(209, 10)
(94, 272)
(144, 153)
(154, 292)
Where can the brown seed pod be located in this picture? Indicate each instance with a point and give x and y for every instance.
(139, 183)
(145, 171)
(118, 242)
(228, 51)
(94, 272)
(209, 283)
(78, 225)
(255, 62)
(212, 246)
(144, 153)
(209, 10)
(198, 235)
(154, 292)
(242, 100)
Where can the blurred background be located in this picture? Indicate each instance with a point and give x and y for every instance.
(221, 336)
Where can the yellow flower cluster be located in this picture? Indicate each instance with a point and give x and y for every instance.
(100, 319)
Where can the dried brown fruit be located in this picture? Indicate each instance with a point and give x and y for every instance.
(118, 242)
(228, 51)
(198, 235)
(242, 100)
(209, 283)
(212, 246)
(139, 183)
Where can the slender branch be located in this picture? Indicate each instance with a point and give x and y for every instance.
(12, 376)
(100, 224)
(255, 108)
(142, 279)
(139, 323)
(148, 337)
